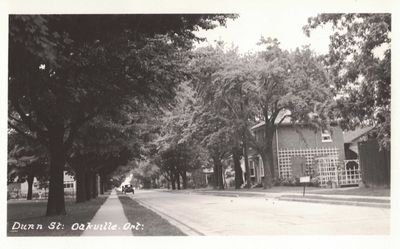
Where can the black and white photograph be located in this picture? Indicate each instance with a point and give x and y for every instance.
(271, 120)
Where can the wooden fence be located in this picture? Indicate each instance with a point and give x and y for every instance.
(375, 164)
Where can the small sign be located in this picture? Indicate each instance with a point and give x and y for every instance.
(305, 179)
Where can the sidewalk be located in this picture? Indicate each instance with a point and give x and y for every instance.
(109, 219)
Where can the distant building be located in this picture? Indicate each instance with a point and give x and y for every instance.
(20, 190)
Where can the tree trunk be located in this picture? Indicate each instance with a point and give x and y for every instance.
(267, 171)
(89, 185)
(216, 184)
(101, 183)
(270, 159)
(246, 160)
(30, 184)
(56, 202)
(218, 173)
(173, 186)
(238, 170)
(184, 180)
(172, 177)
(178, 181)
(80, 184)
(94, 186)
(146, 183)
(267, 155)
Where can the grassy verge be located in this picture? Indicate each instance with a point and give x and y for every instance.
(153, 224)
(362, 191)
(31, 213)
(359, 199)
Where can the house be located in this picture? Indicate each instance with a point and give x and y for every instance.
(20, 190)
(351, 139)
(319, 152)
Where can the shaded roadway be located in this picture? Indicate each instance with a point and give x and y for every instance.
(203, 214)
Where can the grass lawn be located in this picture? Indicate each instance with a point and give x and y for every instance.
(359, 199)
(363, 191)
(280, 189)
(33, 212)
(154, 225)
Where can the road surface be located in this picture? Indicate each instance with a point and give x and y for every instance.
(198, 214)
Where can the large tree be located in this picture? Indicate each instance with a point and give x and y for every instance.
(221, 111)
(230, 98)
(291, 86)
(102, 145)
(179, 151)
(359, 60)
(66, 69)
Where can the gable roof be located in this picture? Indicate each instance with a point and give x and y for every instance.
(351, 136)
(286, 121)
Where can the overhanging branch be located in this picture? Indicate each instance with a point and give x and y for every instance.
(29, 136)
(27, 120)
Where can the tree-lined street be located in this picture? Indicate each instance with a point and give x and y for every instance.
(101, 104)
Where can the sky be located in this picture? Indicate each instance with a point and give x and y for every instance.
(245, 31)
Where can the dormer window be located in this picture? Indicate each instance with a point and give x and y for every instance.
(326, 136)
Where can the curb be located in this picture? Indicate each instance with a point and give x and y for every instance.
(337, 202)
(227, 194)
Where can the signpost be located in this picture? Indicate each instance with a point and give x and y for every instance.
(304, 180)
(299, 170)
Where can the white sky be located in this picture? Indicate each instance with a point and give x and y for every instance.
(245, 31)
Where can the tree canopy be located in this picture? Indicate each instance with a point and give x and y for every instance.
(64, 70)
(359, 60)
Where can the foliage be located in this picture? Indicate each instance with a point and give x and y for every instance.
(25, 158)
(214, 121)
(65, 70)
(145, 171)
(178, 150)
(359, 60)
(288, 87)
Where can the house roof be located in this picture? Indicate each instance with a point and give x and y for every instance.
(286, 121)
(262, 123)
(351, 136)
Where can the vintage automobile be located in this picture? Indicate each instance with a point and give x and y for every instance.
(128, 188)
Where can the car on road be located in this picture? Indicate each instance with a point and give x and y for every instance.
(128, 188)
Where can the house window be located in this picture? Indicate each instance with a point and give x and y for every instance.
(68, 185)
(326, 136)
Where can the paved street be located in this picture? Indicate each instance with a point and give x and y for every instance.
(218, 215)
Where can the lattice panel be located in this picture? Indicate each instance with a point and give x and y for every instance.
(350, 174)
(285, 155)
(327, 170)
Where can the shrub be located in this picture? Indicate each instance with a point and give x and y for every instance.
(277, 181)
(257, 185)
(315, 182)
